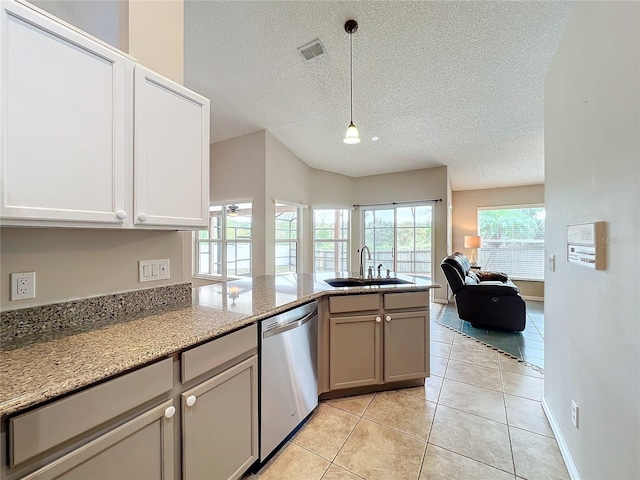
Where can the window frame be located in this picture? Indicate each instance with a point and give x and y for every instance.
(516, 276)
(345, 241)
(223, 243)
(297, 241)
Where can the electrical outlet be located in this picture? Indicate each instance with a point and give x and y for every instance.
(152, 270)
(23, 285)
(574, 413)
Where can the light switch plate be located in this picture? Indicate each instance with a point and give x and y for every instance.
(152, 270)
(552, 263)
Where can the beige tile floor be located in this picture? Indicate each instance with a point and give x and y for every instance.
(477, 417)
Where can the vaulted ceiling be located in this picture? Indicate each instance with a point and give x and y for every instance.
(440, 83)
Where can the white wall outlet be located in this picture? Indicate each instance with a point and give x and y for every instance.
(152, 270)
(23, 285)
(574, 413)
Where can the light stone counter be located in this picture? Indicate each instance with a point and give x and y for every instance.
(51, 366)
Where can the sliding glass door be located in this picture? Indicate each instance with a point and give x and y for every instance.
(399, 238)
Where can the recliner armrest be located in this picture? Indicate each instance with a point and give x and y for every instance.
(492, 288)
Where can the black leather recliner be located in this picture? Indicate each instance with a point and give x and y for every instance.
(484, 303)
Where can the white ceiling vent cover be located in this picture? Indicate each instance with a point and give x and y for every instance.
(312, 50)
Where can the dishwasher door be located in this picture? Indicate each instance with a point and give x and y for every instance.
(289, 375)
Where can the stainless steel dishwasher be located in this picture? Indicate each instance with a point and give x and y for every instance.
(288, 374)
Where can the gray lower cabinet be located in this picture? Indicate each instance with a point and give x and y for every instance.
(355, 348)
(406, 341)
(220, 424)
(140, 449)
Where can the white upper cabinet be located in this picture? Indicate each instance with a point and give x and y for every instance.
(69, 157)
(171, 154)
(64, 142)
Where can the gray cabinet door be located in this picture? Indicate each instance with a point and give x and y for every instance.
(138, 450)
(220, 424)
(354, 351)
(406, 346)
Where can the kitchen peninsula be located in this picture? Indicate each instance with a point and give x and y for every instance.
(43, 368)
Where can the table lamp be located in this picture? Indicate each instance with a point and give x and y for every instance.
(473, 242)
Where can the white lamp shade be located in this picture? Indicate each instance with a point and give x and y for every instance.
(472, 241)
(352, 136)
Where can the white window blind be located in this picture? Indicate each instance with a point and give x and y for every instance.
(513, 240)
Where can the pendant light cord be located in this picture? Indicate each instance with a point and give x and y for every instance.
(351, 70)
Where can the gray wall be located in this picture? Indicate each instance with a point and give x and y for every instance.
(592, 158)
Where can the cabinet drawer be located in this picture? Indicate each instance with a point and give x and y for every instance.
(406, 300)
(40, 430)
(353, 303)
(206, 357)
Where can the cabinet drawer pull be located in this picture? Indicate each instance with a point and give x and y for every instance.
(388, 318)
(143, 217)
(191, 400)
(378, 319)
(121, 214)
(169, 411)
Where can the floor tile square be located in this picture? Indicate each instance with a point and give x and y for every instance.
(438, 365)
(441, 464)
(293, 463)
(440, 336)
(483, 440)
(356, 404)
(474, 375)
(514, 366)
(376, 452)
(326, 431)
(429, 391)
(406, 413)
(440, 349)
(471, 399)
(527, 415)
(338, 473)
(537, 457)
(485, 356)
(523, 385)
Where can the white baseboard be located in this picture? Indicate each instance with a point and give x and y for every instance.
(529, 297)
(441, 301)
(562, 445)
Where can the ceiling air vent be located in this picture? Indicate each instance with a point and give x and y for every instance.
(312, 50)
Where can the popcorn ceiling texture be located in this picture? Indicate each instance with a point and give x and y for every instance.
(441, 83)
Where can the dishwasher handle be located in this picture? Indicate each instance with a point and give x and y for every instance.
(289, 326)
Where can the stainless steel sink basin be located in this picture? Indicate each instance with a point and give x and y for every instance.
(359, 282)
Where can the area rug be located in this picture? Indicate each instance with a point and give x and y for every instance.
(527, 346)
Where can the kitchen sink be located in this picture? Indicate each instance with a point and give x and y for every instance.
(359, 282)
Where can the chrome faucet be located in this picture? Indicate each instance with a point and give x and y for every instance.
(362, 259)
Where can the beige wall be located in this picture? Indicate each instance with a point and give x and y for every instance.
(238, 173)
(77, 263)
(465, 218)
(592, 172)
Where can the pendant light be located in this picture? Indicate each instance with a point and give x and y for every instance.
(352, 136)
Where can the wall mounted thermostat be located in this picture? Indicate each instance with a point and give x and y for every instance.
(585, 245)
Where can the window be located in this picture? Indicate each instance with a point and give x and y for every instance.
(331, 240)
(400, 238)
(513, 240)
(224, 250)
(287, 237)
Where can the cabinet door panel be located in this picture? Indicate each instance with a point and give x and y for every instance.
(406, 346)
(171, 153)
(138, 450)
(220, 430)
(354, 346)
(64, 122)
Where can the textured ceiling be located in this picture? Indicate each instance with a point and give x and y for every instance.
(440, 83)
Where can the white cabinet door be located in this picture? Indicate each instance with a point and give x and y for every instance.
(171, 153)
(66, 112)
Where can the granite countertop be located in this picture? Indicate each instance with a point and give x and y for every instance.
(50, 366)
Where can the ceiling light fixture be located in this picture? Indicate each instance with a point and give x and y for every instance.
(232, 210)
(351, 137)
